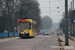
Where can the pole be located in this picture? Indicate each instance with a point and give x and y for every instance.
(73, 4)
(66, 19)
(63, 25)
(49, 7)
(71, 19)
(8, 17)
(74, 25)
(73, 28)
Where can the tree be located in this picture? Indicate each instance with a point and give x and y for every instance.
(30, 10)
(12, 10)
(47, 22)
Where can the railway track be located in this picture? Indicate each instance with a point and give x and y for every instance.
(43, 44)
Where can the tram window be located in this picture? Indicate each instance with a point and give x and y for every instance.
(18, 23)
(33, 26)
(30, 25)
(24, 26)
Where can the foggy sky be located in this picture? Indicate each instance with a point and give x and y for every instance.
(56, 17)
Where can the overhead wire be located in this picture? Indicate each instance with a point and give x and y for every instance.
(50, 11)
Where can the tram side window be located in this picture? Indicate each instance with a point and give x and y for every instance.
(33, 26)
(30, 26)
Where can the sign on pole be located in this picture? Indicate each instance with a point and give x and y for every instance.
(73, 20)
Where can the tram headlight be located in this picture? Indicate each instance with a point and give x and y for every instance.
(44, 33)
(22, 32)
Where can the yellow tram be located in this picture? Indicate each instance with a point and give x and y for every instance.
(26, 28)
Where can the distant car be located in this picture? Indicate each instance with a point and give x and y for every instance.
(46, 33)
(40, 32)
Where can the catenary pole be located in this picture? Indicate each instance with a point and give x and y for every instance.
(66, 19)
(73, 19)
(8, 18)
(73, 4)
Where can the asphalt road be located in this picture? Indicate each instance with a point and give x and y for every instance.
(40, 42)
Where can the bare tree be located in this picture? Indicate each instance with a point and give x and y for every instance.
(47, 22)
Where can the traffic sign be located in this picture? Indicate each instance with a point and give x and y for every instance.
(73, 20)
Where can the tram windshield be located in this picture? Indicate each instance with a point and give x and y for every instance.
(23, 26)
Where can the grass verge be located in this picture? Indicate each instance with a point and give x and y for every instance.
(59, 41)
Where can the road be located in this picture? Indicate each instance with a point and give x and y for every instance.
(40, 42)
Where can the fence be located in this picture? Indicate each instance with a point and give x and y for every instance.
(11, 34)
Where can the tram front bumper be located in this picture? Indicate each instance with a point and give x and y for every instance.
(25, 35)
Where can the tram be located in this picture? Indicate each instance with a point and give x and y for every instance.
(26, 28)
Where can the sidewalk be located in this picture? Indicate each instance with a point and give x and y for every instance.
(71, 43)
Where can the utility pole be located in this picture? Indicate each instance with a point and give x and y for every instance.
(66, 19)
(8, 18)
(73, 4)
(73, 19)
(63, 25)
(49, 7)
(0, 8)
(73, 27)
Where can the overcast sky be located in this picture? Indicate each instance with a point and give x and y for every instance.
(44, 7)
